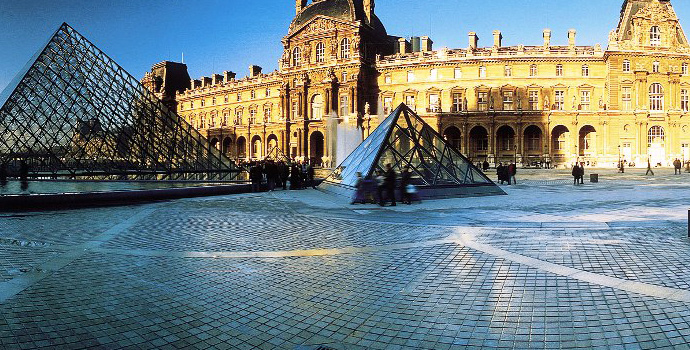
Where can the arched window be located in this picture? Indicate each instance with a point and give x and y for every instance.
(317, 107)
(656, 135)
(320, 52)
(656, 97)
(296, 57)
(655, 36)
(345, 48)
(626, 65)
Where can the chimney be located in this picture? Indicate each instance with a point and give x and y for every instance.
(547, 37)
(254, 71)
(369, 6)
(571, 37)
(205, 81)
(217, 79)
(228, 76)
(427, 44)
(403, 46)
(196, 84)
(474, 40)
(498, 38)
(300, 5)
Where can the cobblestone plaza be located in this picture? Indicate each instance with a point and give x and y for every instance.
(550, 265)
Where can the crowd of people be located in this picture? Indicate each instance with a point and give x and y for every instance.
(382, 185)
(506, 173)
(278, 174)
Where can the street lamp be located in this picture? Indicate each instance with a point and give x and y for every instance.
(515, 155)
(619, 157)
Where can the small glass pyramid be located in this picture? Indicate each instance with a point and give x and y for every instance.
(74, 113)
(404, 139)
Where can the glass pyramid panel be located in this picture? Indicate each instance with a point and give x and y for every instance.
(73, 112)
(405, 140)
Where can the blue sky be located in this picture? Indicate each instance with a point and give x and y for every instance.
(218, 35)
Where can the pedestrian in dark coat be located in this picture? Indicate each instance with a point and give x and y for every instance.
(390, 180)
(405, 179)
(512, 171)
(582, 173)
(310, 176)
(499, 173)
(576, 173)
(486, 166)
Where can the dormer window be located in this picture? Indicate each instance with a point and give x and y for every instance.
(296, 57)
(655, 36)
(320, 52)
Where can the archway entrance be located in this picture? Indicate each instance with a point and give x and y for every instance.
(241, 148)
(560, 144)
(656, 138)
(587, 141)
(479, 143)
(272, 142)
(533, 144)
(453, 136)
(505, 144)
(316, 147)
(227, 147)
(256, 147)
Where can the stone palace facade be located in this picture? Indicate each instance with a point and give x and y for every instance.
(340, 68)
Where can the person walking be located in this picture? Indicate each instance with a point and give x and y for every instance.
(512, 171)
(677, 166)
(582, 173)
(405, 179)
(499, 173)
(649, 168)
(390, 182)
(359, 190)
(485, 166)
(575, 173)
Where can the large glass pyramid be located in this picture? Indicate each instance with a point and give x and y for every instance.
(74, 113)
(404, 139)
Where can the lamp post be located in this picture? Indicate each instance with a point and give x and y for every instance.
(619, 157)
(515, 155)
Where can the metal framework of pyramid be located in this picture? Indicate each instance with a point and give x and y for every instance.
(276, 154)
(404, 139)
(74, 113)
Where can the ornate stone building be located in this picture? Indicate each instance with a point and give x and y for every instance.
(527, 103)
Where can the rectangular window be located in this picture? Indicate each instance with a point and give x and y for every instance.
(410, 76)
(389, 80)
(684, 100)
(434, 103)
(191, 105)
(533, 70)
(433, 74)
(387, 105)
(457, 102)
(239, 97)
(458, 73)
(226, 116)
(213, 101)
(655, 67)
(344, 106)
(508, 71)
(626, 66)
(203, 103)
(410, 102)
(534, 100)
(267, 114)
(626, 97)
(226, 99)
(268, 92)
(684, 69)
(482, 71)
(507, 100)
(252, 116)
(483, 101)
(295, 110)
(585, 70)
(559, 101)
(559, 70)
(238, 117)
(584, 100)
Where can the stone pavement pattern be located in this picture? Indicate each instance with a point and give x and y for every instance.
(548, 266)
